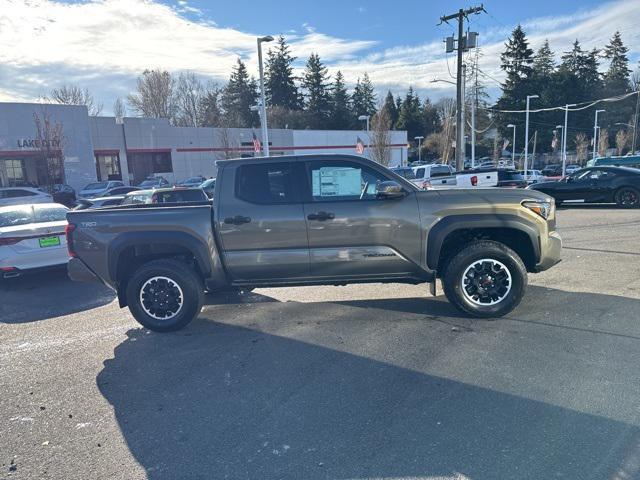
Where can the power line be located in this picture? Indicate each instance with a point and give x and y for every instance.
(587, 105)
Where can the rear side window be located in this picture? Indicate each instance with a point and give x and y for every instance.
(420, 172)
(49, 214)
(19, 193)
(440, 171)
(265, 184)
(15, 217)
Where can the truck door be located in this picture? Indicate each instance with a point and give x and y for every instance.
(261, 222)
(352, 233)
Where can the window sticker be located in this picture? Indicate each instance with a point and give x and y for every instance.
(336, 181)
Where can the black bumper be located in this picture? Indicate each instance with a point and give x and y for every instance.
(79, 272)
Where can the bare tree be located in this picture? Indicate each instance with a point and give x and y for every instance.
(603, 142)
(119, 110)
(74, 95)
(227, 142)
(447, 117)
(189, 95)
(50, 141)
(154, 96)
(381, 137)
(622, 137)
(582, 146)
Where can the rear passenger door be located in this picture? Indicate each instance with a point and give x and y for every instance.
(353, 233)
(261, 222)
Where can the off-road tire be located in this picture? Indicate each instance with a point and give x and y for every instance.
(454, 271)
(181, 275)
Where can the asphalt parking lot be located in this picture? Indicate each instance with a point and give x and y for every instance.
(357, 382)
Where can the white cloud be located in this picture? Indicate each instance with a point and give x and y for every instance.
(105, 44)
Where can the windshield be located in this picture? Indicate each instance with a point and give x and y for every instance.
(96, 186)
(24, 215)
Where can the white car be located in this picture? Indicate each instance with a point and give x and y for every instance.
(32, 237)
(533, 176)
(99, 189)
(572, 169)
(23, 195)
(99, 202)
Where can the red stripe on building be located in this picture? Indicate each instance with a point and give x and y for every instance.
(250, 149)
(148, 150)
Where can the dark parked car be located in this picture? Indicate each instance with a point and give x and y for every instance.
(619, 185)
(552, 171)
(191, 181)
(154, 182)
(63, 194)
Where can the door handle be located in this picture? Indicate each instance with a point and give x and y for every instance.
(321, 216)
(237, 220)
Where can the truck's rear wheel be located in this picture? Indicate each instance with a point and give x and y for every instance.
(485, 279)
(164, 295)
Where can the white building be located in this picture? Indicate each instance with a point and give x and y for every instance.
(71, 147)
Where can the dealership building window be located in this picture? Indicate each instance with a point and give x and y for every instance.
(146, 164)
(108, 167)
(15, 172)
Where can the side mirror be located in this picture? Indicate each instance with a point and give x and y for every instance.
(390, 189)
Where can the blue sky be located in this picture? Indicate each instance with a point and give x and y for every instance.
(105, 44)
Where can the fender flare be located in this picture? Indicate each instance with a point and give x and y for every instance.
(182, 239)
(449, 224)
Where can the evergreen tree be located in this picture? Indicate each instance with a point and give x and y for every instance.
(543, 63)
(363, 98)
(240, 94)
(410, 116)
(315, 81)
(616, 79)
(340, 104)
(210, 113)
(392, 110)
(516, 62)
(280, 88)
(430, 118)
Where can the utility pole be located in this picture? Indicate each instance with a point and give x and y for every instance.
(263, 101)
(464, 43)
(635, 122)
(463, 119)
(595, 133)
(526, 135)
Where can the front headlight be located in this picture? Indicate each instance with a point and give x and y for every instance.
(543, 209)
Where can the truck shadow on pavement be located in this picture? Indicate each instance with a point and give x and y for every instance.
(47, 295)
(279, 392)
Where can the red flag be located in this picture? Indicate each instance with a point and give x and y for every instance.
(256, 144)
(359, 146)
(505, 145)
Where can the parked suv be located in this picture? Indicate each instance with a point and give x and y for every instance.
(23, 195)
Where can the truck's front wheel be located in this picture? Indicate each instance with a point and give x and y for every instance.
(485, 279)
(164, 295)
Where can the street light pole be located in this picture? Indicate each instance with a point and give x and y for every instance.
(595, 133)
(263, 102)
(564, 143)
(366, 118)
(513, 144)
(526, 135)
(419, 138)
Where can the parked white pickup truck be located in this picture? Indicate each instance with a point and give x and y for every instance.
(465, 179)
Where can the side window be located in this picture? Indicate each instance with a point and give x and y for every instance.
(265, 184)
(420, 172)
(19, 193)
(440, 171)
(332, 181)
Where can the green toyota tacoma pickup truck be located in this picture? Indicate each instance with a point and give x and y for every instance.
(315, 220)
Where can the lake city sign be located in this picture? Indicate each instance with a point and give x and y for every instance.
(37, 143)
